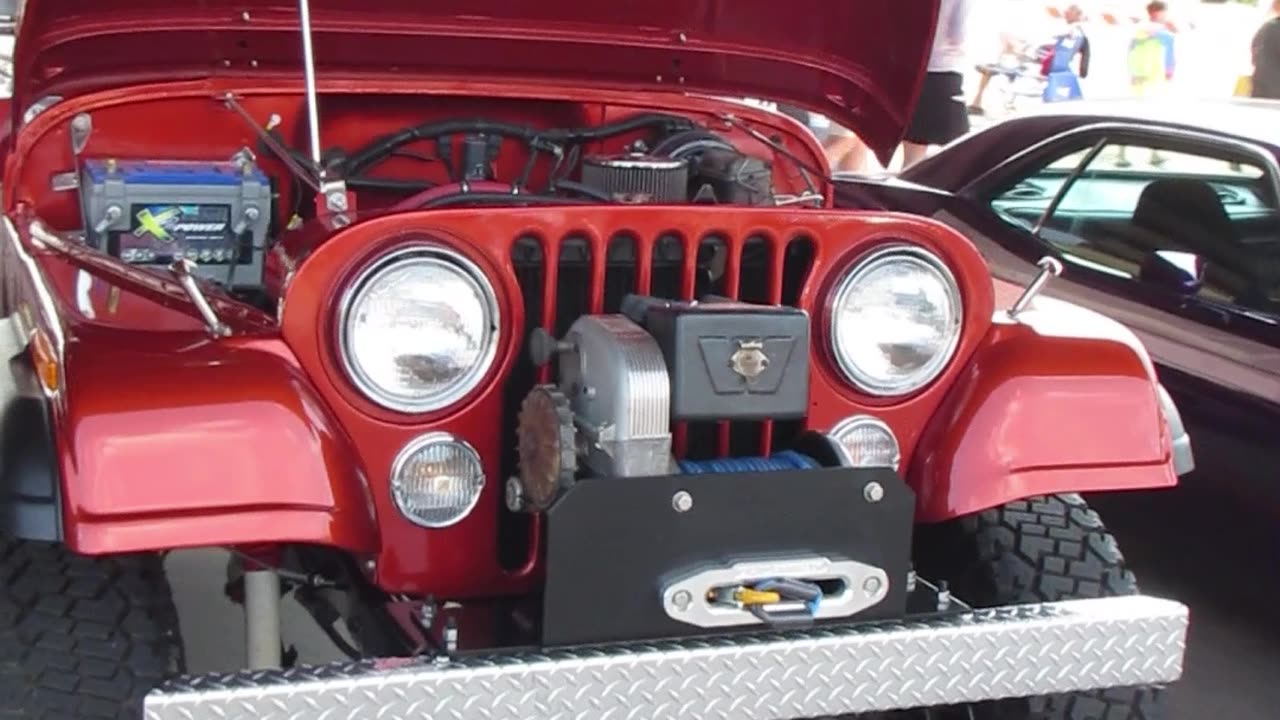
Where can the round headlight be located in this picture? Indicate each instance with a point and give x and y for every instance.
(895, 320)
(419, 329)
(436, 480)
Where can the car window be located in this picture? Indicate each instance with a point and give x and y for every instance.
(1150, 216)
(1179, 163)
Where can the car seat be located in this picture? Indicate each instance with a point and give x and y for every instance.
(1186, 214)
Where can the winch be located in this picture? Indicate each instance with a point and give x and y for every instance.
(799, 536)
(624, 378)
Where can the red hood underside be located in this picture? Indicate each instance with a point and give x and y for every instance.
(857, 61)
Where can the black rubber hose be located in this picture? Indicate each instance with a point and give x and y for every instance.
(374, 152)
(463, 198)
(374, 183)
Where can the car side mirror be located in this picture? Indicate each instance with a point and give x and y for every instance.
(1174, 270)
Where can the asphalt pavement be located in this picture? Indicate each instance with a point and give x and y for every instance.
(1193, 544)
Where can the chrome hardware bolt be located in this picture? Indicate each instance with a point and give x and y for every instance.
(682, 501)
(514, 494)
(873, 492)
(682, 600)
(872, 586)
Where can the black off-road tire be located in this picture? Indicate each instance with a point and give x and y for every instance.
(82, 637)
(1040, 550)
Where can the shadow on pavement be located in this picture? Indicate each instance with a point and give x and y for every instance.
(1218, 555)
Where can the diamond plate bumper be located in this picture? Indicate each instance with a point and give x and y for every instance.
(1005, 652)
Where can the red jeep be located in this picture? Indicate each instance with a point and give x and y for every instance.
(548, 380)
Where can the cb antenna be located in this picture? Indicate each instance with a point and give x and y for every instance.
(333, 199)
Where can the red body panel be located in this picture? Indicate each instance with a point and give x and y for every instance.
(859, 62)
(167, 439)
(174, 440)
(1043, 409)
(410, 556)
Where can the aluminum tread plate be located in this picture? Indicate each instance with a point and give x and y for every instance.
(1006, 652)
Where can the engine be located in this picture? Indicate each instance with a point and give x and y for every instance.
(625, 378)
(636, 177)
(222, 213)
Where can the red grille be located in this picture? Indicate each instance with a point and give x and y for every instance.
(560, 280)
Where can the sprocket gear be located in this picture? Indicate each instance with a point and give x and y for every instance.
(547, 449)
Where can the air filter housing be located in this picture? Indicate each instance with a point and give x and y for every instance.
(637, 178)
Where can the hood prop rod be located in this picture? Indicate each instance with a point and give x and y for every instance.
(333, 197)
(273, 144)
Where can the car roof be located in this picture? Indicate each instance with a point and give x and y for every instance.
(1246, 118)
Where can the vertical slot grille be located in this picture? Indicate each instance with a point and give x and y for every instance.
(581, 274)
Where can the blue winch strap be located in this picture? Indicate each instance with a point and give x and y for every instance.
(785, 460)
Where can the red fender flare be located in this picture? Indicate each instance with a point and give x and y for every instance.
(170, 440)
(1060, 400)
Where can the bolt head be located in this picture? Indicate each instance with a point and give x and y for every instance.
(682, 600)
(336, 201)
(682, 501)
(872, 586)
(514, 494)
(873, 492)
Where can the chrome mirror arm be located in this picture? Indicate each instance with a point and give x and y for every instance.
(1049, 267)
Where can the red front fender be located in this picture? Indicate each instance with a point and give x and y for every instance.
(1061, 400)
(168, 440)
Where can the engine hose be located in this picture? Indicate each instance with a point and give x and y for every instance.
(785, 460)
(430, 195)
(391, 184)
(377, 150)
(503, 198)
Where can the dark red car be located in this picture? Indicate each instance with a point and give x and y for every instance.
(1165, 217)
(549, 383)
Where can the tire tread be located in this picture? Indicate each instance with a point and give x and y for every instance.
(1045, 549)
(82, 637)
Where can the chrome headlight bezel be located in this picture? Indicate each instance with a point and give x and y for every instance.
(441, 257)
(930, 263)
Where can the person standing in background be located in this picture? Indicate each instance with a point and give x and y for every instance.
(1068, 63)
(1266, 57)
(1151, 63)
(1151, 52)
(940, 114)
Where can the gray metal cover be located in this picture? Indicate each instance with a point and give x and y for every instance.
(1006, 652)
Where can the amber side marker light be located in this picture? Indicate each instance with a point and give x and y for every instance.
(45, 361)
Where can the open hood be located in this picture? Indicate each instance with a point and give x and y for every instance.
(858, 61)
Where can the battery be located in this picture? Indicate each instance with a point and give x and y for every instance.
(152, 212)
